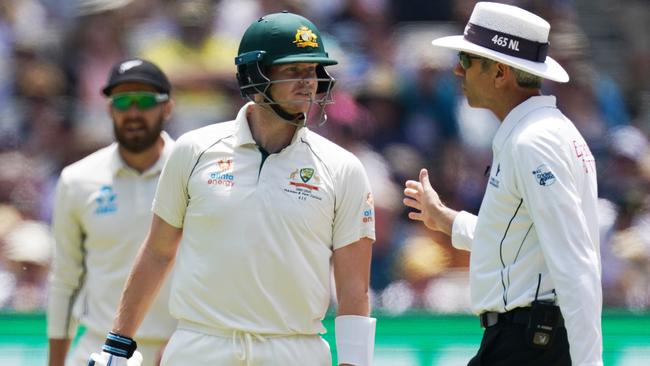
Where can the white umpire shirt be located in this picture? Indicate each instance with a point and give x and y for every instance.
(101, 216)
(538, 218)
(258, 236)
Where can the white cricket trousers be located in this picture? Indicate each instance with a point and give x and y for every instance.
(92, 342)
(194, 344)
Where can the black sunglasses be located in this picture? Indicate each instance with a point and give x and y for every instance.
(465, 59)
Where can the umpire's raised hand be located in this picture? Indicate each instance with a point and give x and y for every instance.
(421, 196)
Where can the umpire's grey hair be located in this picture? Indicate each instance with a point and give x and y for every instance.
(524, 79)
(527, 80)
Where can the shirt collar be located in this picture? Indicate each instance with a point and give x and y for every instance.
(516, 114)
(118, 165)
(243, 135)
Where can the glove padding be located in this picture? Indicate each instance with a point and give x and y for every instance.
(107, 359)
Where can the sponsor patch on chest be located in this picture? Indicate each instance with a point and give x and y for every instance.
(304, 183)
(106, 201)
(223, 175)
(494, 180)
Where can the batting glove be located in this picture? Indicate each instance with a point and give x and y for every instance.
(107, 359)
(117, 351)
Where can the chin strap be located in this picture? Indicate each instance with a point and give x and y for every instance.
(297, 119)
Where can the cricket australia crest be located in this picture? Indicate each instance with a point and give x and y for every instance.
(305, 38)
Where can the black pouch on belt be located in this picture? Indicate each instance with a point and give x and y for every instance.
(545, 318)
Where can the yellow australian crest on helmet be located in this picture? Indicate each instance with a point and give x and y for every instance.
(305, 38)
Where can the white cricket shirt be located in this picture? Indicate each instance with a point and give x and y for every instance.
(539, 217)
(258, 238)
(102, 214)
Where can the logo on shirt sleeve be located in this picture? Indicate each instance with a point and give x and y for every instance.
(544, 176)
(368, 213)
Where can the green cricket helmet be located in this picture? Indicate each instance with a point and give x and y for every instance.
(275, 39)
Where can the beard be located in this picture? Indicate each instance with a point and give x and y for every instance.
(139, 142)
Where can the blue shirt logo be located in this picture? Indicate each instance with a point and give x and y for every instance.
(544, 175)
(106, 201)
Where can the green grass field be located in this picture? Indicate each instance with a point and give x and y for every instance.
(415, 339)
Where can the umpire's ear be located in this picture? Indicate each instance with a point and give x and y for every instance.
(503, 75)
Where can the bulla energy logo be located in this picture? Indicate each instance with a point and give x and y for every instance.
(223, 175)
(368, 214)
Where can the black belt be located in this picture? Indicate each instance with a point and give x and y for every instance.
(514, 316)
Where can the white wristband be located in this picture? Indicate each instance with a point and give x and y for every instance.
(355, 339)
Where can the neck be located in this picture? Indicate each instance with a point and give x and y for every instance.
(269, 131)
(509, 101)
(141, 161)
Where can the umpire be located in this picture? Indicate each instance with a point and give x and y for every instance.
(535, 263)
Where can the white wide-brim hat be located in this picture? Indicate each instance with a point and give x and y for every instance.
(510, 35)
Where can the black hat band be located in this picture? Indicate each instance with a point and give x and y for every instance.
(506, 43)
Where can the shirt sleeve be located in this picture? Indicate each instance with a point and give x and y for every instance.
(171, 199)
(67, 266)
(462, 230)
(354, 209)
(547, 180)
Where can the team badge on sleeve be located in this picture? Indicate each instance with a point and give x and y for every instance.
(544, 175)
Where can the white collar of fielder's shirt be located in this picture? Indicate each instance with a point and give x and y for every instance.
(516, 114)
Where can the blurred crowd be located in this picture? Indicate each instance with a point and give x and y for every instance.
(398, 108)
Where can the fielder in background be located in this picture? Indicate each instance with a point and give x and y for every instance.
(101, 216)
(535, 262)
(253, 212)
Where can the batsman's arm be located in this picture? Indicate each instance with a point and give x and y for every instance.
(351, 265)
(355, 331)
(154, 261)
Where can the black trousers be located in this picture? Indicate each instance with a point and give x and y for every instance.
(504, 344)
